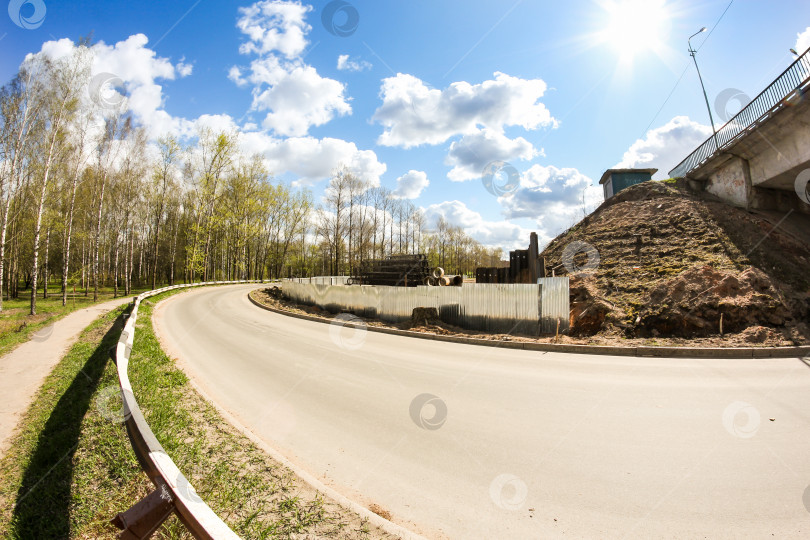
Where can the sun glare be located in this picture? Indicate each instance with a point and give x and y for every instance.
(633, 27)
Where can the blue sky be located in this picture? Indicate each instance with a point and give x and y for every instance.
(432, 92)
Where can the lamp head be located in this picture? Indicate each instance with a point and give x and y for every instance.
(693, 35)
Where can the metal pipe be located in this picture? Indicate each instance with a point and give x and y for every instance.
(693, 54)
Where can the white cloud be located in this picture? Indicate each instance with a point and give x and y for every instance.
(413, 114)
(294, 95)
(235, 74)
(300, 99)
(140, 69)
(217, 123)
(410, 185)
(803, 41)
(474, 151)
(555, 198)
(184, 69)
(274, 25)
(664, 147)
(344, 64)
(311, 159)
(492, 234)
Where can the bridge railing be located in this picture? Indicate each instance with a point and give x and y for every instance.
(794, 80)
(173, 493)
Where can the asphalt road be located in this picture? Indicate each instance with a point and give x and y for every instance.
(510, 443)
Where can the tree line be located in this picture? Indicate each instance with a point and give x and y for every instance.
(87, 201)
(358, 222)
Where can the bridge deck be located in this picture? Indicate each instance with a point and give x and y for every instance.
(786, 90)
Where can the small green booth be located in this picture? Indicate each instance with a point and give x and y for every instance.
(615, 180)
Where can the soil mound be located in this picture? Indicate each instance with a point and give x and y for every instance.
(671, 262)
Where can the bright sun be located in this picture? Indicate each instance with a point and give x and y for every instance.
(635, 26)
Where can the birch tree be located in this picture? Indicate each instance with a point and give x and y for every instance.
(19, 106)
(62, 82)
(163, 179)
(116, 129)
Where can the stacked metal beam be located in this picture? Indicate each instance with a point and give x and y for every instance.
(395, 271)
(524, 267)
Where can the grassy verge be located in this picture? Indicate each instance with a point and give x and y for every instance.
(71, 467)
(16, 325)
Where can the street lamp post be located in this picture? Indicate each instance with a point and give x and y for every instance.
(692, 53)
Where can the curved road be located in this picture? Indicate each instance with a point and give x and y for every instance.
(512, 444)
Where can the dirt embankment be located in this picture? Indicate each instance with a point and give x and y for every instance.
(674, 266)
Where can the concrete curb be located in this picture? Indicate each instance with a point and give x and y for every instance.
(655, 352)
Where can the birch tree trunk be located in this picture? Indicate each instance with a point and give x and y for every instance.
(97, 243)
(45, 265)
(115, 266)
(40, 207)
(71, 211)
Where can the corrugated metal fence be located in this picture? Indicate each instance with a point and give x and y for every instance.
(325, 280)
(555, 304)
(501, 308)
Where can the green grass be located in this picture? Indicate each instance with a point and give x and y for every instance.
(70, 468)
(16, 325)
(57, 434)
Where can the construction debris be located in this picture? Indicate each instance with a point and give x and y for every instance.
(525, 266)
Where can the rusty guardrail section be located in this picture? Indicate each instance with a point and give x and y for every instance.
(173, 493)
(791, 84)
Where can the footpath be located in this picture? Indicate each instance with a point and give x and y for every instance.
(23, 370)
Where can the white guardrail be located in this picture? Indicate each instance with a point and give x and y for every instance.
(173, 493)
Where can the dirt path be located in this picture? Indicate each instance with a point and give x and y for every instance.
(23, 369)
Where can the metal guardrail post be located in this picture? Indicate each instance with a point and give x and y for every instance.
(142, 520)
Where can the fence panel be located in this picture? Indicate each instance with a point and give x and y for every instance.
(491, 307)
(556, 304)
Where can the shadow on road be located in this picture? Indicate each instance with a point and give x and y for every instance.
(42, 507)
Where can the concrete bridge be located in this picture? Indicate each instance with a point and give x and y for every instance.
(761, 158)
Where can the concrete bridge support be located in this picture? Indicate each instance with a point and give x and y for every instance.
(760, 170)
